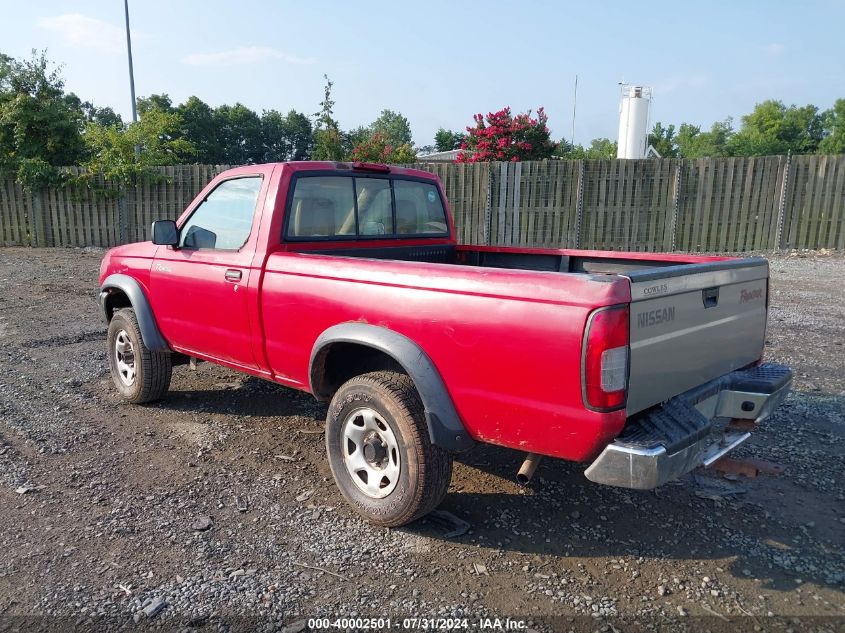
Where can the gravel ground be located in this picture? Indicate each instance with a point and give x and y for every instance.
(216, 507)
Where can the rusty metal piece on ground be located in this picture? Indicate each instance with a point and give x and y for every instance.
(738, 424)
(767, 468)
(730, 466)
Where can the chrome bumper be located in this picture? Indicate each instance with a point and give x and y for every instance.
(748, 394)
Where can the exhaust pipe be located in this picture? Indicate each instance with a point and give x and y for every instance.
(526, 471)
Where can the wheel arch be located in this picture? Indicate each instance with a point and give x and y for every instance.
(362, 342)
(120, 291)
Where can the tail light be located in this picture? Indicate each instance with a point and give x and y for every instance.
(605, 360)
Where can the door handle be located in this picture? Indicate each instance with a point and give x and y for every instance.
(233, 275)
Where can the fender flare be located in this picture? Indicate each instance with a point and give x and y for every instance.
(444, 424)
(143, 311)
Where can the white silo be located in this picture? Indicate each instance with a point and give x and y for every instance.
(633, 121)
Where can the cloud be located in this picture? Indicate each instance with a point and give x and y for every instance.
(243, 55)
(773, 50)
(82, 31)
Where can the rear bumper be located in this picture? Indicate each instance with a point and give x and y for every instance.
(665, 442)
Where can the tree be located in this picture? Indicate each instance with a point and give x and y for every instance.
(446, 140)
(393, 127)
(199, 127)
(834, 129)
(601, 149)
(328, 140)
(104, 116)
(773, 128)
(239, 134)
(662, 139)
(285, 137)
(154, 102)
(111, 149)
(300, 135)
(503, 136)
(355, 137)
(40, 125)
(693, 143)
(378, 149)
(568, 151)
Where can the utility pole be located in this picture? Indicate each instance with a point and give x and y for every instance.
(131, 72)
(574, 104)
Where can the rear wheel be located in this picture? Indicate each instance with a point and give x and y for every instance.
(140, 375)
(380, 452)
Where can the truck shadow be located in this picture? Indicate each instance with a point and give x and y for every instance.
(244, 395)
(736, 525)
(767, 528)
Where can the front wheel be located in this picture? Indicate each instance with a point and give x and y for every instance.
(380, 452)
(140, 374)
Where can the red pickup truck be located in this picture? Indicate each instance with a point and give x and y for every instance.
(346, 281)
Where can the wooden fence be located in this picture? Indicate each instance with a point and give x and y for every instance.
(718, 204)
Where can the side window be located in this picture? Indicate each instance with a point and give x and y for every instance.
(419, 210)
(375, 206)
(224, 219)
(322, 206)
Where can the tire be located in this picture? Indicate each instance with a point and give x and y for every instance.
(410, 476)
(139, 374)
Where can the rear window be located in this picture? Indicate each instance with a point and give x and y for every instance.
(349, 207)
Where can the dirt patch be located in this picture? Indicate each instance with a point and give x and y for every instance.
(106, 526)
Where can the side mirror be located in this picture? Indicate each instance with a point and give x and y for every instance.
(165, 233)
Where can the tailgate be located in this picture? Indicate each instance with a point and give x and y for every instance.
(692, 323)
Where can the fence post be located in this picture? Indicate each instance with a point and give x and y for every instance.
(782, 202)
(122, 220)
(39, 235)
(488, 206)
(676, 206)
(579, 205)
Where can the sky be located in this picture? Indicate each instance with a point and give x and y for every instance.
(439, 62)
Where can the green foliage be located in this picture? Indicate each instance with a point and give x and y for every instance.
(378, 149)
(285, 137)
(40, 124)
(446, 140)
(328, 139)
(693, 143)
(154, 102)
(355, 137)
(156, 135)
(394, 128)
(773, 128)
(199, 127)
(834, 129)
(101, 116)
(662, 139)
(599, 149)
(239, 134)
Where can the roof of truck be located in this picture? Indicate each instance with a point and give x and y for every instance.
(304, 165)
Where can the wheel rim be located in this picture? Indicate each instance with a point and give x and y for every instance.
(371, 453)
(124, 357)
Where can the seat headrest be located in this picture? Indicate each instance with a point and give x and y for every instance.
(314, 217)
(407, 217)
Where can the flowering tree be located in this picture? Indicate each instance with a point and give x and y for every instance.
(507, 137)
(377, 149)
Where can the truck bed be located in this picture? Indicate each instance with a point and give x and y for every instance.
(693, 318)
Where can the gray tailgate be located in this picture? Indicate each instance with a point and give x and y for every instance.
(692, 323)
